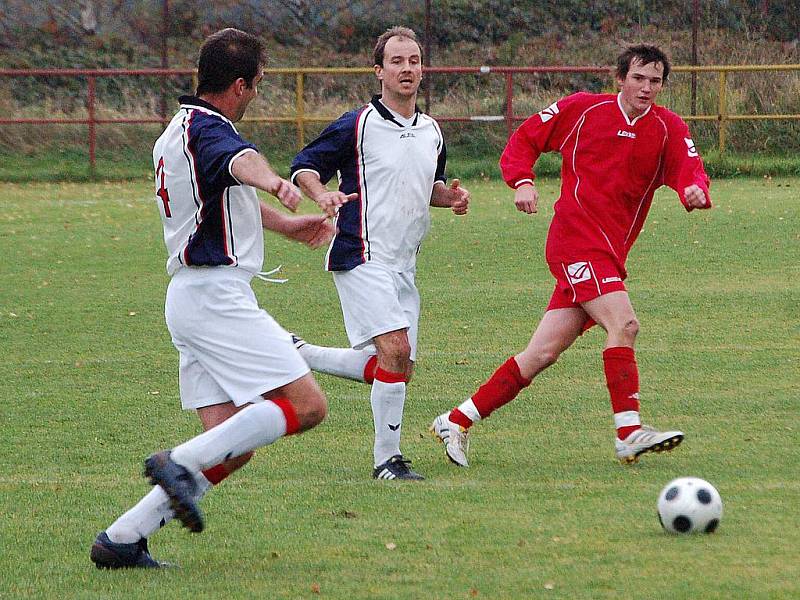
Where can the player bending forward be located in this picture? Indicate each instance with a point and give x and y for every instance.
(616, 150)
(238, 368)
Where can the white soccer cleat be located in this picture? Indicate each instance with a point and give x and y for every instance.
(646, 439)
(454, 437)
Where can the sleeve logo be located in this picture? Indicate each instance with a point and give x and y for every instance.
(690, 145)
(549, 112)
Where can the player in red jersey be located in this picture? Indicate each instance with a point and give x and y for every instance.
(616, 151)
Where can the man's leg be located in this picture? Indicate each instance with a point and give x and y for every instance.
(556, 332)
(121, 546)
(358, 365)
(387, 398)
(292, 408)
(614, 312)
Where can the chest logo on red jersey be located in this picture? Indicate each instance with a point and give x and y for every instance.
(627, 134)
(549, 112)
(579, 271)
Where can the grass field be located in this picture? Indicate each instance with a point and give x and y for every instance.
(88, 388)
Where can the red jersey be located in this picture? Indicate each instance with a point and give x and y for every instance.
(611, 167)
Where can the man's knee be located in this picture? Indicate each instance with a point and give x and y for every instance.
(394, 353)
(311, 410)
(630, 328)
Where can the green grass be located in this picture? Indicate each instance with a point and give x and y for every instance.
(133, 164)
(88, 388)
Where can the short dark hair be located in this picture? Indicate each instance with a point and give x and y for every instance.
(226, 56)
(646, 54)
(397, 31)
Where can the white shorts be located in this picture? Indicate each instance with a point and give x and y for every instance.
(230, 349)
(377, 300)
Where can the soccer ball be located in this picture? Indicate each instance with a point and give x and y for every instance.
(689, 505)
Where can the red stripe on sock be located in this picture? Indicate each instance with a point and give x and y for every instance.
(459, 418)
(389, 376)
(501, 388)
(292, 422)
(216, 473)
(622, 380)
(369, 369)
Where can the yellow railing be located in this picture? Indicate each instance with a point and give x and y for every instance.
(300, 117)
(722, 116)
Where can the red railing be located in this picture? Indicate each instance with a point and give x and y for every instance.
(300, 118)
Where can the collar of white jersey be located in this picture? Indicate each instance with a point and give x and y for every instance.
(195, 103)
(387, 114)
(624, 114)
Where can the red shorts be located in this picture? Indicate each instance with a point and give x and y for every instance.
(581, 281)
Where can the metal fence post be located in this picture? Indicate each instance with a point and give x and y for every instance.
(92, 132)
(723, 110)
(300, 109)
(510, 103)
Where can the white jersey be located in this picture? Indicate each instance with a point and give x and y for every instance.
(393, 167)
(209, 218)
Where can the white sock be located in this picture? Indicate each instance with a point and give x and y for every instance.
(387, 401)
(470, 410)
(149, 515)
(341, 362)
(257, 425)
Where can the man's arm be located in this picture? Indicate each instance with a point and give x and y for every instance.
(251, 168)
(312, 230)
(454, 197)
(328, 201)
(683, 167)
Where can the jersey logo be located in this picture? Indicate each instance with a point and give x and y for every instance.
(549, 112)
(690, 145)
(162, 192)
(627, 134)
(407, 134)
(578, 272)
(611, 279)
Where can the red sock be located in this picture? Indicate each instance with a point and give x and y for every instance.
(501, 388)
(216, 473)
(369, 369)
(292, 422)
(622, 379)
(389, 376)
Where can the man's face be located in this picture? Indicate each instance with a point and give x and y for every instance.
(247, 95)
(641, 86)
(401, 71)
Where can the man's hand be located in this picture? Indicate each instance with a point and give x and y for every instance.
(312, 230)
(695, 197)
(454, 197)
(526, 198)
(331, 202)
(460, 198)
(284, 191)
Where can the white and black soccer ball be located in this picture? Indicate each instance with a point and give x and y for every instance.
(689, 505)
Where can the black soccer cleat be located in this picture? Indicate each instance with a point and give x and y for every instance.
(396, 467)
(106, 554)
(179, 484)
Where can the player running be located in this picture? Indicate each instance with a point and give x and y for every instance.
(238, 368)
(392, 157)
(616, 150)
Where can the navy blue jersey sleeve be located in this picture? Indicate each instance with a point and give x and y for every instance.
(214, 143)
(330, 151)
(441, 164)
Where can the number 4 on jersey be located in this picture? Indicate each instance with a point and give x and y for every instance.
(162, 191)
